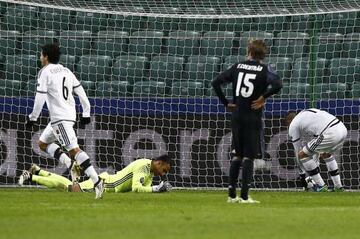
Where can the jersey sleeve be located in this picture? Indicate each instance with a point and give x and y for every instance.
(80, 92)
(273, 81)
(223, 78)
(294, 136)
(139, 180)
(40, 96)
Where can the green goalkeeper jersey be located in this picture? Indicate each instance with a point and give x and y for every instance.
(135, 177)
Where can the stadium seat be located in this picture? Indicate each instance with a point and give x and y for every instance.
(146, 42)
(227, 89)
(68, 61)
(20, 18)
(130, 68)
(94, 68)
(76, 43)
(166, 68)
(345, 70)
(292, 44)
(32, 41)
(127, 23)
(282, 65)
(300, 72)
(10, 88)
(89, 87)
(183, 43)
(149, 89)
(333, 90)
(165, 24)
(187, 89)
(355, 93)
(199, 24)
(329, 45)
(246, 36)
(21, 67)
(351, 47)
(90, 21)
(29, 88)
(9, 42)
(202, 68)
(234, 24)
(56, 19)
(113, 89)
(294, 91)
(217, 43)
(111, 43)
(271, 23)
(300, 23)
(231, 60)
(344, 22)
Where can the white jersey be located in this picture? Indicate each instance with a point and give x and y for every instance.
(327, 131)
(56, 85)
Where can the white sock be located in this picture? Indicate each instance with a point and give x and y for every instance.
(90, 171)
(333, 169)
(81, 157)
(310, 165)
(64, 159)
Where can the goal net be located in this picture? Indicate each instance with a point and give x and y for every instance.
(147, 66)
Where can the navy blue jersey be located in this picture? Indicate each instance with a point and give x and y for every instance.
(250, 80)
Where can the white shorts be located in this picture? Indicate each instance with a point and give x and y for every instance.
(63, 132)
(329, 141)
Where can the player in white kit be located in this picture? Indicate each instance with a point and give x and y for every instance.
(327, 134)
(56, 85)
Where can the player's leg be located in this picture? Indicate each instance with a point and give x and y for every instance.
(66, 135)
(313, 170)
(333, 169)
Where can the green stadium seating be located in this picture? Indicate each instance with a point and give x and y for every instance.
(113, 89)
(10, 88)
(127, 23)
(146, 42)
(301, 72)
(246, 36)
(9, 42)
(184, 43)
(292, 44)
(231, 60)
(333, 91)
(56, 19)
(351, 47)
(202, 68)
(21, 67)
(165, 24)
(111, 43)
(89, 87)
(187, 89)
(234, 24)
(32, 41)
(94, 68)
(355, 93)
(218, 43)
(166, 68)
(344, 70)
(300, 23)
(282, 65)
(76, 43)
(329, 45)
(130, 68)
(227, 89)
(344, 22)
(29, 88)
(68, 61)
(294, 91)
(149, 89)
(271, 23)
(90, 21)
(199, 24)
(20, 18)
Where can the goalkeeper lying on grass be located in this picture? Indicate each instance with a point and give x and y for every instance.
(136, 177)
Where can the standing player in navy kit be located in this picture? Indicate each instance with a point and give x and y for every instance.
(253, 82)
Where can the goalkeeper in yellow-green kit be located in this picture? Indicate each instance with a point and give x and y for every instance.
(136, 177)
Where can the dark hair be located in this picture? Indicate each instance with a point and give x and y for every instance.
(289, 115)
(257, 49)
(52, 51)
(164, 158)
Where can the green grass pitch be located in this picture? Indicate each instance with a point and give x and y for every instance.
(34, 213)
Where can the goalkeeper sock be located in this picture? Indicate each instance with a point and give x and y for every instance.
(333, 169)
(55, 152)
(234, 175)
(313, 170)
(52, 182)
(247, 175)
(84, 162)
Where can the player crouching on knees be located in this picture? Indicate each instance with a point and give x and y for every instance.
(136, 177)
(328, 135)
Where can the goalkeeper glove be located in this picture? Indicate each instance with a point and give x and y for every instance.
(85, 120)
(29, 123)
(162, 187)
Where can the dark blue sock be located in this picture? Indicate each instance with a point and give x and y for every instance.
(233, 177)
(247, 176)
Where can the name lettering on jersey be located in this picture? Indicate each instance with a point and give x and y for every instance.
(249, 67)
(57, 70)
